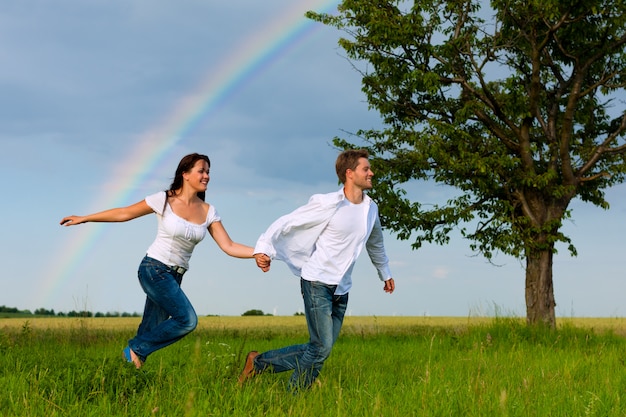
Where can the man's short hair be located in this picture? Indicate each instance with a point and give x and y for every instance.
(349, 159)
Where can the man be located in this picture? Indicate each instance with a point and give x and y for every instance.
(320, 243)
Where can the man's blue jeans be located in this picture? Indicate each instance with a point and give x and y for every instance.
(324, 316)
(168, 315)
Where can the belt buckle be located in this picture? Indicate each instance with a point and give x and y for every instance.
(179, 269)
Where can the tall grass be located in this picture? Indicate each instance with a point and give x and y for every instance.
(379, 367)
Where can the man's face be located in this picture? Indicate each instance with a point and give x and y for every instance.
(362, 174)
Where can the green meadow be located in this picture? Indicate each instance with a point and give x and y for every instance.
(380, 366)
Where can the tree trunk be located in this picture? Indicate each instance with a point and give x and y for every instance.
(539, 288)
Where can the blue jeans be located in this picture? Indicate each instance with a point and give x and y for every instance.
(168, 315)
(324, 316)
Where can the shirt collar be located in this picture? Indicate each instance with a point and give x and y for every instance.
(342, 196)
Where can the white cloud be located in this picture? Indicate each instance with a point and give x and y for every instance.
(440, 272)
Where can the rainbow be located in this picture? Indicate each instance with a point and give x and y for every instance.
(253, 55)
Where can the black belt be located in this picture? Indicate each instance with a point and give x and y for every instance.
(178, 269)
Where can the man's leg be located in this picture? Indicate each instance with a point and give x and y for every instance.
(324, 314)
(340, 304)
(318, 308)
(277, 360)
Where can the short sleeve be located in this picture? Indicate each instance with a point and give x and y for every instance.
(212, 215)
(156, 202)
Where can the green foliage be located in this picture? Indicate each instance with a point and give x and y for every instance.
(14, 312)
(253, 312)
(501, 368)
(514, 106)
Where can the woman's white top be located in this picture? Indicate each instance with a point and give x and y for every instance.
(176, 237)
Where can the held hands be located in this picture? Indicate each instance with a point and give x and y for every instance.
(389, 286)
(262, 261)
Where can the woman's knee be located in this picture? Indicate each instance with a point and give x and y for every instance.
(192, 322)
(189, 322)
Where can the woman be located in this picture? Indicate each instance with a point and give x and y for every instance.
(183, 220)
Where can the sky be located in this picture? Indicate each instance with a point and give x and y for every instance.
(101, 99)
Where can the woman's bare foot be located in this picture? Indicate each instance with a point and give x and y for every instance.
(131, 356)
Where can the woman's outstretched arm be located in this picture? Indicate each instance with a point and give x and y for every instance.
(120, 214)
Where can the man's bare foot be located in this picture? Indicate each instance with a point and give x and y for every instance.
(248, 369)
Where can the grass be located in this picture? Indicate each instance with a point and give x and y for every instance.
(380, 366)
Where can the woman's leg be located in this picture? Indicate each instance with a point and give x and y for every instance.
(167, 299)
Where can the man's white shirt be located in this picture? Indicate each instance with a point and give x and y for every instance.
(321, 240)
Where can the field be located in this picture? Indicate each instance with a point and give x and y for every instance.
(380, 366)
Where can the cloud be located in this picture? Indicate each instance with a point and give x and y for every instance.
(440, 272)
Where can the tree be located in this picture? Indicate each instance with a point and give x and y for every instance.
(515, 106)
(44, 312)
(253, 312)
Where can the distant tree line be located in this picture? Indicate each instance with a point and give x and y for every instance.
(73, 313)
(51, 313)
(256, 312)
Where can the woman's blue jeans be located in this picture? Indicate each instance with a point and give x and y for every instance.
(168, 315)
(324, 316)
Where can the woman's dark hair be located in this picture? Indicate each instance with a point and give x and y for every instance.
(185, 165)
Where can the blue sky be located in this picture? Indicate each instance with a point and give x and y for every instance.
(84, 83)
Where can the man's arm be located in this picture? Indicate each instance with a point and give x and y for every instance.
(291, 238)
(376, 250)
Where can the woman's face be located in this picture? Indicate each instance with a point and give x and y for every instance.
(198, 176)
